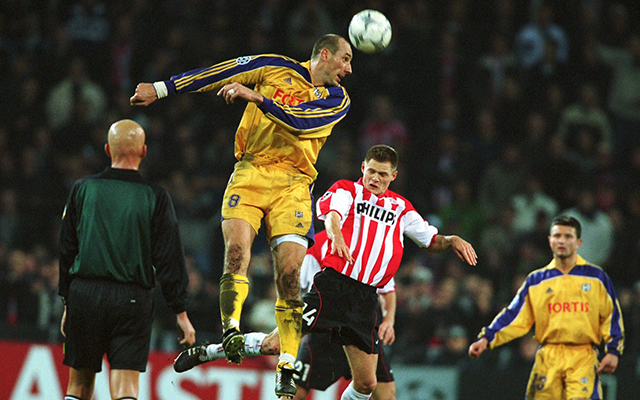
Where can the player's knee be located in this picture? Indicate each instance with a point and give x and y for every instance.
(234, 258)
(366, 386)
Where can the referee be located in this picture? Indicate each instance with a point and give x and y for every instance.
(119, 233)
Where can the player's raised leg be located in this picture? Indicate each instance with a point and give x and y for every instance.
(255, 344)
(234, 284)
(288, 256)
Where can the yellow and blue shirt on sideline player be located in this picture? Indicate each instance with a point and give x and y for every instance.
(573, 313)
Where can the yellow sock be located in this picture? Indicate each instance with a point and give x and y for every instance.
(234, 290)
(289, 320)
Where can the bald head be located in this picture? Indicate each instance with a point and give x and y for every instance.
(126, 144)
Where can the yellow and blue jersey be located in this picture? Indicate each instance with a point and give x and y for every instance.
(579, 307)
(296, 117)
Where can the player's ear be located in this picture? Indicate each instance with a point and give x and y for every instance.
(394, 175)
(143, 153)
(324, 54)
(107, 150)
(362, 167)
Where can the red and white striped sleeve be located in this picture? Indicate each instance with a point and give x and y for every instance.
(338, 198)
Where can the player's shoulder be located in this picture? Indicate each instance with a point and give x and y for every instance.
(587, 269)
(280, 61)
(539, 275)
(346, 184)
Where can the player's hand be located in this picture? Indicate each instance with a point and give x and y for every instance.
(608, 364)
(478, 347)
(386, 333)
(63, 322)
(187, 332)
(145, 94)
(234, 91)
(464, 250)
(339, 247)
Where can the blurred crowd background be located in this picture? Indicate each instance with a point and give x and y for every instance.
(505, 113)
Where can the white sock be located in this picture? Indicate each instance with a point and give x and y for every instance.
(253, 343)
(286, 358)
(215, 351)
(351, 394)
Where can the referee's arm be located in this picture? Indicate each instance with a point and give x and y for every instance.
(168, 254)
(68, 244)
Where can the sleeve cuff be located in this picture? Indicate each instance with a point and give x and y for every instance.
(161, 89)
(615, 352)
(266, 105)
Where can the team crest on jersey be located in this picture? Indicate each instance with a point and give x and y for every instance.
(299, 214)
(586, 287)
(243, 60)
(317, 92)
(287, 80)
(584, 379)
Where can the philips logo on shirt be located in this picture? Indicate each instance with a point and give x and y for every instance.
(377, 213)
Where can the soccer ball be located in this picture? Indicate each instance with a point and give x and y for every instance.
(370, 31)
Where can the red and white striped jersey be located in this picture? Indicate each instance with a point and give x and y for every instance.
(312, 264)
(373, 228)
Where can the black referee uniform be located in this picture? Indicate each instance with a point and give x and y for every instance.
(119, 233)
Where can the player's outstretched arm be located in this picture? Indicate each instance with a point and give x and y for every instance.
(145, 94)
(478, 347)
(463, 249)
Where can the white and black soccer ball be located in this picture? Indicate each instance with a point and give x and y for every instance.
(370, 31)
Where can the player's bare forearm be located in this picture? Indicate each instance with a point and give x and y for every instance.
(338, 245)
(386, 332)
(462, 248)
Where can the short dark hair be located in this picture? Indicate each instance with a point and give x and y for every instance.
(565, 220)
(383, 153)
(329, 41)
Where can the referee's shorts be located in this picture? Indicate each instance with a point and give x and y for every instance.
(345, 307)
(108, 317)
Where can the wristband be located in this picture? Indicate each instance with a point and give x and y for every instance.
(161, 89)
